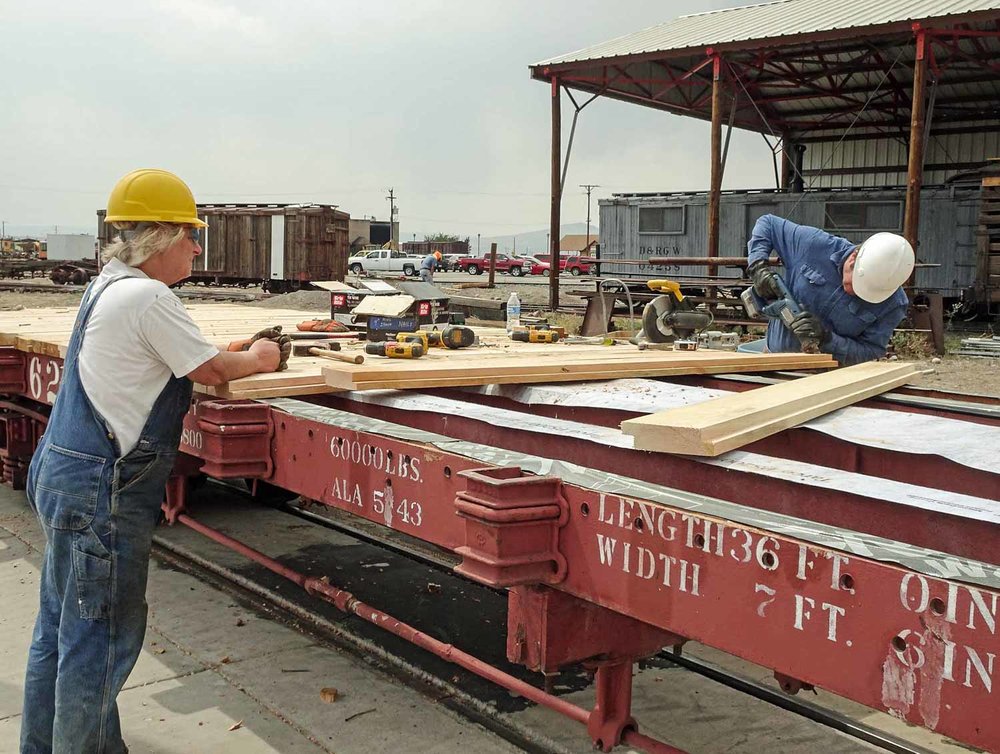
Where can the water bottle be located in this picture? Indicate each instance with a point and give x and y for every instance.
(513, 312)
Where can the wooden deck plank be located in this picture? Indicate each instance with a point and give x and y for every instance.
(732, 421)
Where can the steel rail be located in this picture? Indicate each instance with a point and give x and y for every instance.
(806, 709)
(348, 603)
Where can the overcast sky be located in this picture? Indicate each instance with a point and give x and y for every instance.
(331, 102)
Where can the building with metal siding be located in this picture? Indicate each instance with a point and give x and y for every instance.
(848, 94)
(635, 227)
(882, 162)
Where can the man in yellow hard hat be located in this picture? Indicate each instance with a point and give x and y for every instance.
(97, 479)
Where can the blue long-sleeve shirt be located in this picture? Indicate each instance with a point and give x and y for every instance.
(429, 263)
(814, 260)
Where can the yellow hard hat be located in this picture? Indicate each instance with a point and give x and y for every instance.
(152, 196)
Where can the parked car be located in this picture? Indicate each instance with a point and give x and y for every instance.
(383, 260)
(575, 265)
(516, 266)
(539, 266)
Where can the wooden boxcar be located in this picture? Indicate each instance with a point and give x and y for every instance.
(281, 247)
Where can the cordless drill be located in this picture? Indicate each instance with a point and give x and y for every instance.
(393, 350)
(533, 335)
(784, 308)
(453, 337)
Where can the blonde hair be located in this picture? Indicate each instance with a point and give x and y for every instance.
(139, 242)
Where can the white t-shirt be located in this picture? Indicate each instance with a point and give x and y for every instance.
(139, 333)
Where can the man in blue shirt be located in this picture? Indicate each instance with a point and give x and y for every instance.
(851, 294)
(428, 265)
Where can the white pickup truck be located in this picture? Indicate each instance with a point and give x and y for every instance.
(383, 260)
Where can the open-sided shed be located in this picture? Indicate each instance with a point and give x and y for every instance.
(800, 72)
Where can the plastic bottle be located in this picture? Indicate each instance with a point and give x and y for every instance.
(513, 312)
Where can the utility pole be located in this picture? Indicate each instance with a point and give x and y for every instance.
(392, 213)
(588, 187)
(477, 244)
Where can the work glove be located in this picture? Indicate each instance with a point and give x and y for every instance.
(809, 330)
(284, 343)
(764, 281)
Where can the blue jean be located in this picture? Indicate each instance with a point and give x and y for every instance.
(98, 523)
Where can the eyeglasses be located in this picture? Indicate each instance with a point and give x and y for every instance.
(195, 235)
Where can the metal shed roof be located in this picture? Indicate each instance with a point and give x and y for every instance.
(779, 21)
(807, 69)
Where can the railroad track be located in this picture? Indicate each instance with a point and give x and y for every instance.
(191, 293)
(486, 704)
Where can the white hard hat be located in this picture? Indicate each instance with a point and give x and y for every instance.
(884, 263)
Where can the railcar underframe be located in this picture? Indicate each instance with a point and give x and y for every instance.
(874, 576)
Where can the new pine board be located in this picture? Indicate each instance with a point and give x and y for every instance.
(403, 374)
(732, 421)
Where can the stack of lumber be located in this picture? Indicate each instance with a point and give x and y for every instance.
(732, 421)
(497, 360)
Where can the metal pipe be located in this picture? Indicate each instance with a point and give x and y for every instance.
(348, 603)
(556, 196)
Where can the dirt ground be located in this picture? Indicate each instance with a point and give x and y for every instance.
(962, 374)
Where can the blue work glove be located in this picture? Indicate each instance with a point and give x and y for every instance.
(764, 280)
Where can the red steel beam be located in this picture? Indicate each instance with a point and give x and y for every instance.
(922, 648)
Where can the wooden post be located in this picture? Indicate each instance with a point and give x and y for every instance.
(556, 188)
(716, 180)
(915, 176)
(715, 187)
(493, 264)
(915, 168)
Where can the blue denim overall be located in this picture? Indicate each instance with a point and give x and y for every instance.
(98, 512)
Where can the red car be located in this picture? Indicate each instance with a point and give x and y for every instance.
(575, 265)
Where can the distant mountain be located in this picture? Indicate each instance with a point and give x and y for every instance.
(531, 242)
(17, 230)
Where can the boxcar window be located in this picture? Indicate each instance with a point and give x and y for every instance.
(864, 216)
(661, 219)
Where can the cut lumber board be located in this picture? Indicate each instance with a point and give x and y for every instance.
(400, 374)
(732, 421)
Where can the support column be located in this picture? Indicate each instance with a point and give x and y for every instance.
(556, 189)
(915, 167)
(715, 191)
(915, 175)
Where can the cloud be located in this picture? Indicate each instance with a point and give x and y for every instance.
(331, 102)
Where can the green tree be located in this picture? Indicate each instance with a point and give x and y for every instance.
(440, 237)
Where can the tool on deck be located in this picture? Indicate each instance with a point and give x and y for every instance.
(326, 350)
(283, 341)
(534, 335)
(321, 325)
(393, 350)
(670, 317)
(453, 337)
(784, 308)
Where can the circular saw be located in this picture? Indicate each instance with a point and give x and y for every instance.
(671, 317)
